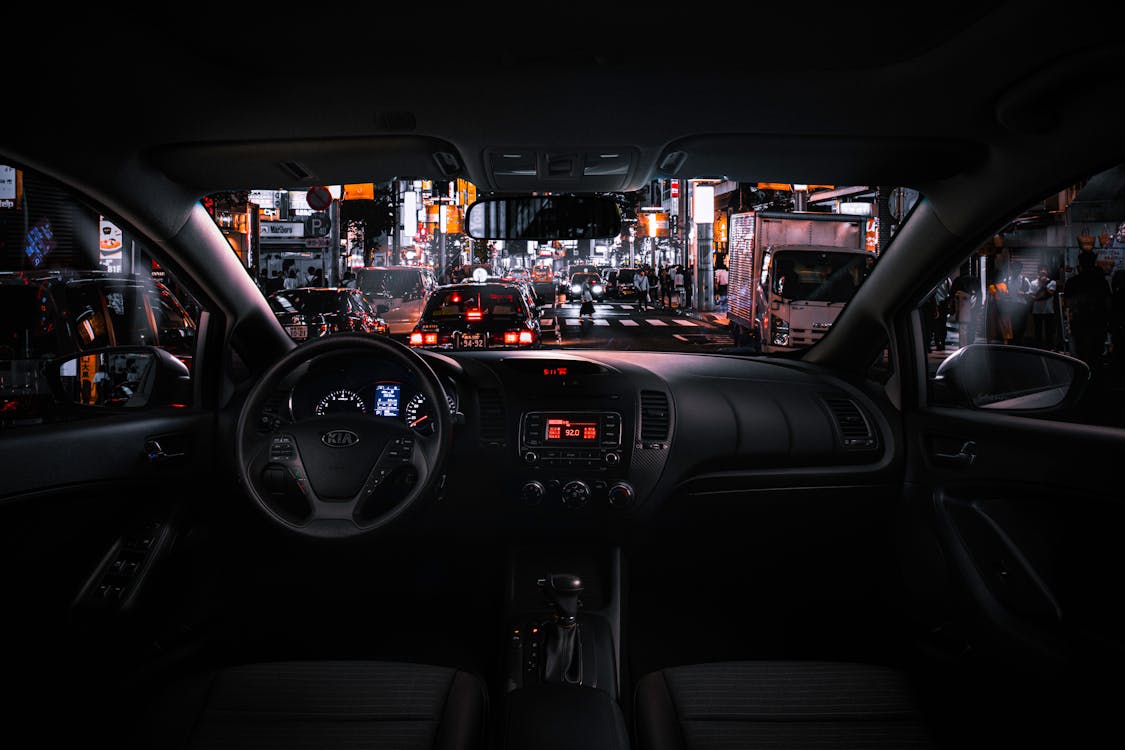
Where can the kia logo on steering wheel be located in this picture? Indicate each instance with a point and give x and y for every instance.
(339, 439)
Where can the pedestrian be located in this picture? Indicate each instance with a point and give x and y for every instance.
(942, 307)
(587, 308)
(642, 289)
(722, 278)
(1018, 300)
(964, 307)
(291, 281)
(1043, 294)
(349, 279)
(689, 284)
(666, 287)
(1117, 326)
(1086, 299)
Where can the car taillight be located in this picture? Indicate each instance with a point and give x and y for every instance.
(416, 338)
(429, 339)
(511, 337)
(525, 337)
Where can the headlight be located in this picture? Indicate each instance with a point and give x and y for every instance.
(779, 331)
(576, 289)
(598, 289)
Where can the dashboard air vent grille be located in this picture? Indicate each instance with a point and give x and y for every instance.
(655, 418)
(854, 428)
(493, 421)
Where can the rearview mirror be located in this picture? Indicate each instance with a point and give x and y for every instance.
(544, 218)
(1016, 378)
(121, 378)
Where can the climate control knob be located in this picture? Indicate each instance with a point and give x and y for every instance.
(532, 493)
(575, 494)
(612, 459)
(620, 495)
(530, 457)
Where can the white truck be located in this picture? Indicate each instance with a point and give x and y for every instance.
(791, 274)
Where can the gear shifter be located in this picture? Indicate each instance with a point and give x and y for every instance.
(562, 661)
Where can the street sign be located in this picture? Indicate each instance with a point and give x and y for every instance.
(318, 198)
(318, 225)
(316, 242)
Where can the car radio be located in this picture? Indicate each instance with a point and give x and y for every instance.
(573, 439)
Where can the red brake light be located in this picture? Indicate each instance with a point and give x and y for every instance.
(525, 337)
(430, 339)
(511, 337)
(416, 338)
(472, 315)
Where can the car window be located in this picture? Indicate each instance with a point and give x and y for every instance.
(1036, 309)
(390, 282)
(74, 280)
(765, 269)
(454, 303)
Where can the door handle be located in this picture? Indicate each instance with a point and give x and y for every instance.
(155, 453)
(963, 459)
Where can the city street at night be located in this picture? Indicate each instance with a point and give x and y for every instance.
(622, 325)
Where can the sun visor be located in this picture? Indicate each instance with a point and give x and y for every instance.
(818, 159)
(238, 165)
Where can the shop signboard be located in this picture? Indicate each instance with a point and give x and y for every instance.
(8, 187)
(282, 230)
(109, 245)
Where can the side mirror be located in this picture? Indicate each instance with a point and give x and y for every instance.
(126, 377)
(1012, 378)
(380, 309)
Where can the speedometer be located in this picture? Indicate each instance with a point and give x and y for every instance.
(342, 401)
(419, 415)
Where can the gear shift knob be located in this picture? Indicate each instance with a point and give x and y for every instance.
(563, 590)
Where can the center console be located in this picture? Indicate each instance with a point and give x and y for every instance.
(578, 456)
(562, 649)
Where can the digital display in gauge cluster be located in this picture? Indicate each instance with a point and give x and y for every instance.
(387, 399)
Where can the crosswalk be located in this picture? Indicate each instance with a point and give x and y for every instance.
(622, 322)
(612, 315)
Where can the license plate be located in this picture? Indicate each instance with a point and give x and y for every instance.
(472, 341)
(297, 332)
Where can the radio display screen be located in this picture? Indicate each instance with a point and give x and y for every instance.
(578, 431)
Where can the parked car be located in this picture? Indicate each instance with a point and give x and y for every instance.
(402, 289)
(478, 315)
(308, 313)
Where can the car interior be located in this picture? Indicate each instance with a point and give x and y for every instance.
(575, 547)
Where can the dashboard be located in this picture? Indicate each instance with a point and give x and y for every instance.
(360, 385)
(566, 440)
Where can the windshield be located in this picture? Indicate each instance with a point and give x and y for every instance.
(305, 302)
(741, 278)
(818, 276)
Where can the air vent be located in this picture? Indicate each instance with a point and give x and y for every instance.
(855, 430)
(655, 418)
(493, 422)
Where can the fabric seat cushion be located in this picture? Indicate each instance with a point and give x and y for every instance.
(772, 704)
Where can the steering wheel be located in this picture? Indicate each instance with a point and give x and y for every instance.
(336, 476)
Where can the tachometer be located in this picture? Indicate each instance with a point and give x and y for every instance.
(342, 401)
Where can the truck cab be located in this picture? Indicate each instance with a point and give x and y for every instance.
(804, 288)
